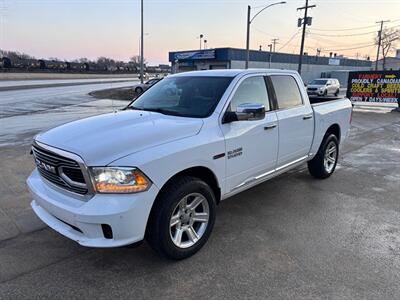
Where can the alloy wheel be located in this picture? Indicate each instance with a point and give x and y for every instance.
(330, 157)
(189, 220)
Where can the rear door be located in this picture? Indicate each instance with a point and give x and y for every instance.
(295, 120)
(251, 146)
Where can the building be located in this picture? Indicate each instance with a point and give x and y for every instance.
(233, 58)
(391, 63)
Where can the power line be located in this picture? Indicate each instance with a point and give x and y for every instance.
(343, 35)
(345, 29)
(352, 48)
(354, 28)
(290, 39)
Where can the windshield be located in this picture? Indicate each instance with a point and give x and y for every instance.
(189, 96)
(319, 82)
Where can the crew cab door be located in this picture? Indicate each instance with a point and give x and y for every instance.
(251, 146)
(295, 119)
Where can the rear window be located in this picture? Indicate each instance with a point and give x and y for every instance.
(287, 91)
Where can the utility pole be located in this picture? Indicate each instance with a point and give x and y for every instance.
(201, 37)
(270, 55)
(141, 44)
(274, 42)
(379, 42)
(306, 21)
(248, 37)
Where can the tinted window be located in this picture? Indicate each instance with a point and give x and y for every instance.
(250, 90)
(287, 91)
(187, 96)
(318, 82)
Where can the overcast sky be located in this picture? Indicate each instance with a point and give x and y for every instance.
(91, 28)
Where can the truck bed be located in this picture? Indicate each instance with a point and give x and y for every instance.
(316, 99)
(328, 112)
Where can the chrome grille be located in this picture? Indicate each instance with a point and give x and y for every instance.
(59, 170)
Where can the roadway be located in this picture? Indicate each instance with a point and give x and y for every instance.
(24, 112)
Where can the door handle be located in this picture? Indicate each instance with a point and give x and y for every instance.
(270, 126)
(306, 117)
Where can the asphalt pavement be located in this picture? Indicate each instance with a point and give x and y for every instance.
(25, 112)
(293, 237)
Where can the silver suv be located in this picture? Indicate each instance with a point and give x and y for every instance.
(324, 87)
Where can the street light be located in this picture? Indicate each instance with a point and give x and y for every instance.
(201, 36)
(141, 44)
(249, 20)
(205, 44)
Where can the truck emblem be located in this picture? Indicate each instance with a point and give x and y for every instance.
(45, 166)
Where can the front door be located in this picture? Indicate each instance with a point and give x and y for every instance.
(251, 146)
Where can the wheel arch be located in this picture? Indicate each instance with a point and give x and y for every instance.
(335, 130)
(201, 172)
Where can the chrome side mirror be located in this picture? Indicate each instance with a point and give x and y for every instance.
(246, 112)
(250, 112)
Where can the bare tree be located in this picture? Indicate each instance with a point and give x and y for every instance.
(390, 37)
(135, 60)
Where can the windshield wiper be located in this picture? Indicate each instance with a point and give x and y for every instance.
(163, 111)
(158, 110)
(133, 108)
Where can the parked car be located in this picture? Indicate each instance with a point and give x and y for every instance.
(141, 87)
(158, 169)
(324, 87)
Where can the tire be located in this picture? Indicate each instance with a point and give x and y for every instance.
(179, 241)
(337, 93)
(139, 90)
(325, 93)
(320, 166)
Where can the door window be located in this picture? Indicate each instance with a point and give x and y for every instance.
(250, 90)
(287, 91)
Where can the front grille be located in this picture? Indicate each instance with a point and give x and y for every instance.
(59, 170)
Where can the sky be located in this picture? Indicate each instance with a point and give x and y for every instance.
(69, 29)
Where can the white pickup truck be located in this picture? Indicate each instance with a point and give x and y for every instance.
(158, 168)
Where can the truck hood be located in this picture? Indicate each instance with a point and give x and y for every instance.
(102, 139)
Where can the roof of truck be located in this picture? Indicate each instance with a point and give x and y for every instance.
(231, 72)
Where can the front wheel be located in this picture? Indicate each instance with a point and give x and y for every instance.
(182, 218)
(324, 163)
(138, 90)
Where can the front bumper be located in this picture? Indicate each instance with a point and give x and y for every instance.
(317, 92)
(82, 221)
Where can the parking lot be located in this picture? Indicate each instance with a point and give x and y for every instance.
(291, 237)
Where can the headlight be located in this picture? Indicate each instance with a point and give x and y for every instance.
(119, 180)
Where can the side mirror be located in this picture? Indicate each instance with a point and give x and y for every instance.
(246, 112)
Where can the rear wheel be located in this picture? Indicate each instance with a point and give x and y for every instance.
(182, 219)
(337, 93)
(324, 163)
